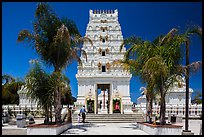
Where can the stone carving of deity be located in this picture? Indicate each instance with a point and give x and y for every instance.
(90, 107)
(108, 65)
(99, 50)
(116, 106)
(99, 65)
(107, 50)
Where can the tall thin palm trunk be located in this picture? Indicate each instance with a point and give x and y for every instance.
(162, 109)
(151, 106)
(58, 106)
(46, 115)
(187, 85)
(162, 103)
(51, 113)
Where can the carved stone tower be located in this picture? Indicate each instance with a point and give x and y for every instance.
(102, 85)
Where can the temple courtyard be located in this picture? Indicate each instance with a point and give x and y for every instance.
(100, 128)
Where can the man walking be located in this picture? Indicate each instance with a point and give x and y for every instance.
(83, 112)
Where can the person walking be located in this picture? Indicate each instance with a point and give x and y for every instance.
(83, 112)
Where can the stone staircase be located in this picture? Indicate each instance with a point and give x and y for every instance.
(111, 118)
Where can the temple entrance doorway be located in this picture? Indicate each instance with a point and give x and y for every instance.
(90, 105)
(103, 98)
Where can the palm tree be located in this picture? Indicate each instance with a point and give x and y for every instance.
(57, 42)
(193, 66)
(140, 51)
(155, 62)
(37, 86)
(7, 78)
(41, 87)
(67, 95)
(197, 98)
(150, 96)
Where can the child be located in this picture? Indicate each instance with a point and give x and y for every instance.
(78, 118)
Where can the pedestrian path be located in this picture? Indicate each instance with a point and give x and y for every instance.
(104, 129)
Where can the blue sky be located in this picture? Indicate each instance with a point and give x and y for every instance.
(145, 19)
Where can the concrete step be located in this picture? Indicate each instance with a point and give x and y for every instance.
(111, 121)
(87, 121)
(109, 115)
(111, 118)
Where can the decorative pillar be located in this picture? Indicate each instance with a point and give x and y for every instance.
(96, 100)
(104, 100)
(111, 99)
(122, 106)
(104, 106)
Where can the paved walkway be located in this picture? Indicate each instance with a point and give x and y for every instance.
(100, 128)
(193, 125)
(104, 129)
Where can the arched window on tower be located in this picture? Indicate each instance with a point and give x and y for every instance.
(95, 37)
(97, 27)
(110, 27)
(118, 37)
(92, 63)
(103, 68)
(103, 53)
(90, 28)
(111, 37)
(103, 40)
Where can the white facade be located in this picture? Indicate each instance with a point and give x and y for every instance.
(23, 99)
(175, 101)
(98, 70)
(176, 95)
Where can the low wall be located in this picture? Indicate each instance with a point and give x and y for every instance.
(195, 111)
(160, 129)
(47, 129)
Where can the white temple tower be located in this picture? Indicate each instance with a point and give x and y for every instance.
(102, 86)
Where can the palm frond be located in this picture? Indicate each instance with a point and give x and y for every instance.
(155, 67)
(24, 35)
(62, 36)
(79, 40)
(71, 25)
(195, 66)
(169, 36)
(131, 41)
(122, 64)
(195, 30)
(84, 54)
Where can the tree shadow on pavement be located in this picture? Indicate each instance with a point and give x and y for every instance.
(80, 128)
(133, 126)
